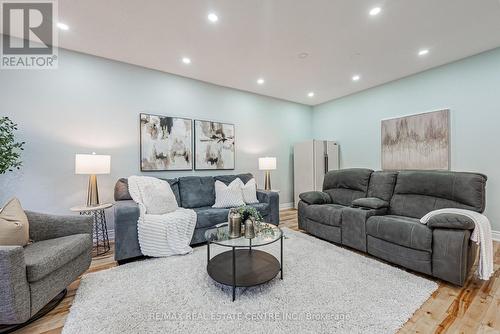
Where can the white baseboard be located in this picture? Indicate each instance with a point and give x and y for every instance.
(495, 235)
(284, 206)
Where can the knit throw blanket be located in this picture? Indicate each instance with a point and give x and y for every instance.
(165, 234)
(481, 235)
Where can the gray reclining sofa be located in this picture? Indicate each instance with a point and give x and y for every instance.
(193, 192)
(378, 212)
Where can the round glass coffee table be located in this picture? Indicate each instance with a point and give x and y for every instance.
(243, 265)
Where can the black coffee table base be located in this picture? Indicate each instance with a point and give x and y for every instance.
(243, 267)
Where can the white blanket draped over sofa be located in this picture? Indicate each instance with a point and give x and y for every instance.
(163, 234)
(481, 235)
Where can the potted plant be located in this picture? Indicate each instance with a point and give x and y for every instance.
(10, 150)
(251, 220)
(247, 212)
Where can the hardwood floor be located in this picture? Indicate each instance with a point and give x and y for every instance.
(475, 308)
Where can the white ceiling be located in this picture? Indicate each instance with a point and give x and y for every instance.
(262, 38)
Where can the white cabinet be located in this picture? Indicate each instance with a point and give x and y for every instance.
(311, 160)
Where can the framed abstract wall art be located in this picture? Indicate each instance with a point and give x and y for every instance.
(417, 142)
(166, 143)
(214, 145)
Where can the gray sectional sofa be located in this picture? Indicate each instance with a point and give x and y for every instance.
(378, 212)
(193, 192)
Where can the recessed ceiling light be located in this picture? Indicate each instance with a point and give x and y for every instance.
(375, 11)
(186, 60)
(423, 52)
(356, 77)
(311, 94)
(62, 26)
(212, 17)
(260, 81)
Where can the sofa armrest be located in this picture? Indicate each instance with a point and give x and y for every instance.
(125, 227)
(315, 197)
(354, 225)
(451, 220)
(15, 293)
(273, 199)
(370, 203)
(453, 254)
(47, 226)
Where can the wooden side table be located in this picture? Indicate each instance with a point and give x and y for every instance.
(100, 228)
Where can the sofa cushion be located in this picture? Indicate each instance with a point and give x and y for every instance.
(382, 185)
(327, 214)
(403, 231)
(208, 216)
(346, 185)
(43, 257)
(419, 192)
(197, 191)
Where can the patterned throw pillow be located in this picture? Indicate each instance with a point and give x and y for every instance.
(229, 196)
(14, 228)
(249, 191)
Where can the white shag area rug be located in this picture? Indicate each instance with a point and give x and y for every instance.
(325, 289)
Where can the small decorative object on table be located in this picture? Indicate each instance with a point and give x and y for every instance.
(100, 229)
(249, 228)
(252, 219)
(234, 221)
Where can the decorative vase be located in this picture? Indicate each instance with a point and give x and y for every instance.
(249, 228)
(234, 222)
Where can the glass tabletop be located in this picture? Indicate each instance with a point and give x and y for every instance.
(264, 234)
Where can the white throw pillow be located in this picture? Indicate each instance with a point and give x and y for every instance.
(229, 196)
(249, 191)
(158, 198)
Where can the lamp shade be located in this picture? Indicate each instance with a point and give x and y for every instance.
(267, 163)
(92, 164)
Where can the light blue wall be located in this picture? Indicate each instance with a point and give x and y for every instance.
(93, 104)
(470, 88)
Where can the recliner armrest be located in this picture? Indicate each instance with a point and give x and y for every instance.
(451, 220)
(315, 197)
(15, 293)
(48, 226)
(370, 202)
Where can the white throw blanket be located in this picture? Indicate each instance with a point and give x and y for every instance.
(161, 234)
(481, 235)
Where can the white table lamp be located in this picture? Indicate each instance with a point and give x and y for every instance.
(267, 164)
(92, 164)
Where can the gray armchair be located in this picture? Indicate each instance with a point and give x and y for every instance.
(33, 276)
